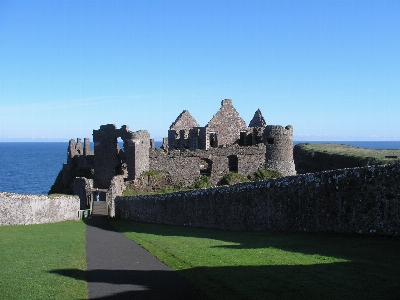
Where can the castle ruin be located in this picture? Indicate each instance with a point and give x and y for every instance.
(226, 144)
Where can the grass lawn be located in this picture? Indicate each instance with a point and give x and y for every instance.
(31, 255)
(259, 265)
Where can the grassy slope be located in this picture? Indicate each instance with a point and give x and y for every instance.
(33, 258)
(311, 158)
(259, 265)
(346, 150)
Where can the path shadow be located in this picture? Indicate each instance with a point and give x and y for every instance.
(142, 284)
(321, 281)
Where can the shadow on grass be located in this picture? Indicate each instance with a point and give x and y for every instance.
(370, 272)
(247, 282)
(142, 284)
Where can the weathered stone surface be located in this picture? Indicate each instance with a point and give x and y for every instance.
(82, 187)
(117, 186)
(224, 145)
(184, 121)
(360, 200)
(227, 124)
(185, 167)
(258, 120)
(109, 157)
(17, 209)
(279, 149)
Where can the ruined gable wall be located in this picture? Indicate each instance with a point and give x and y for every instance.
(178, 132)
(360, 200)
(227, 123)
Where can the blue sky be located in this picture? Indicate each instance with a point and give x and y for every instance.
(329, 68)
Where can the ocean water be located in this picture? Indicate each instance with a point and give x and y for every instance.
(31, 168)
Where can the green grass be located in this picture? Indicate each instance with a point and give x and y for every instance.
(31, 257)
(259, 265)
(363, 154)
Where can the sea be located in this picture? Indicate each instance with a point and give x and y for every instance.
(32, 167)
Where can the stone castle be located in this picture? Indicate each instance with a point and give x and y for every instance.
(226, 144)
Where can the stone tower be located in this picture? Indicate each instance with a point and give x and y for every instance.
(279, 149)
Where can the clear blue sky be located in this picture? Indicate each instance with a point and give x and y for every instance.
(329, 68)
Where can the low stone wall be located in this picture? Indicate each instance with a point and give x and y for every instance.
(360, 200)
(18, 209)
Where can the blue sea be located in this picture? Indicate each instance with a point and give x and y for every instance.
(31, 168)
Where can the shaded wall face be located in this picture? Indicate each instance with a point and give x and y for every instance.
(106, 161)
(361, 200)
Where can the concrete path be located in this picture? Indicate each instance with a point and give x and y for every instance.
(117, 268)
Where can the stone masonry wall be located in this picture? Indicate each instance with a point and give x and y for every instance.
(18, 209)
(82, 187)
(227, 124)
(184, 166)
(360, 200)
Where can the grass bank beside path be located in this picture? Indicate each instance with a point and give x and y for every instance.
(260, 265)
(33, 257)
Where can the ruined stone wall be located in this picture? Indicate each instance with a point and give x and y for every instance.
(82, 187)
(227, 124)
(137, 149)
(185, 166)
(116, 188)
(106, 159)
(17, 209)
(78, 155)
(178, 133)
(361, 200)
(198, 138)
(110, 160)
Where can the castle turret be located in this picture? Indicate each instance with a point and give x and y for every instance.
(279, 149)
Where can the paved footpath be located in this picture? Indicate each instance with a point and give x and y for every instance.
(118, 268)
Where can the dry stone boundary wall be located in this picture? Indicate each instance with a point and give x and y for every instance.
(360, 200)
(18, 209)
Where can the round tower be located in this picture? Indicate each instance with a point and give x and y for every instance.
(279, 149)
